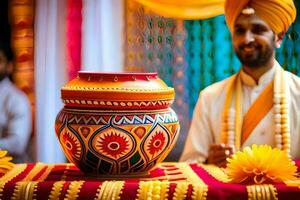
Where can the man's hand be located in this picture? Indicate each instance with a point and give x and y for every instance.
(218, 153)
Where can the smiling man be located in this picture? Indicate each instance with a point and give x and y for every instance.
(259, 104)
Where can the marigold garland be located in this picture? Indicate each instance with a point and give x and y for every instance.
(260, 164)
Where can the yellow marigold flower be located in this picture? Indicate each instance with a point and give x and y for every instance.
(260, 164)
(5, 164)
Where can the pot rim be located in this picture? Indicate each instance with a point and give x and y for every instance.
(117, 90)
(116, 73)
(116, 76)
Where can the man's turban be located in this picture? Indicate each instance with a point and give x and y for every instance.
(278, 14)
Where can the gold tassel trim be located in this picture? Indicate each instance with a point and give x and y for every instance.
(156, 190)
(56, 189)
(199, 192)
(262, 192)
(25, 190)
(180, 190)
(110, 190)
(74, 189)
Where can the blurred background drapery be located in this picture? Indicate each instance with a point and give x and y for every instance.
(102, 32)
(69, 37)
(19, 30)
(189, 9)
(50, 75)
(127, 35)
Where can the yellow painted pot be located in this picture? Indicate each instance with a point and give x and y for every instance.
(117, 124)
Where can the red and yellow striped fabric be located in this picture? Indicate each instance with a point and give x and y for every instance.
(167, 181)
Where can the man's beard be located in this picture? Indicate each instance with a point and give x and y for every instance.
(257, 59)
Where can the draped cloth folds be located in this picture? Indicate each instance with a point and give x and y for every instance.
(278, 14)
(188, 9)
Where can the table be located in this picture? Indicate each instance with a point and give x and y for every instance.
(166, 181)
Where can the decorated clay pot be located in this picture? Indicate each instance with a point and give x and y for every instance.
(115, 124)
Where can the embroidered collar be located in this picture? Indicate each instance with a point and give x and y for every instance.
(265, 79)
